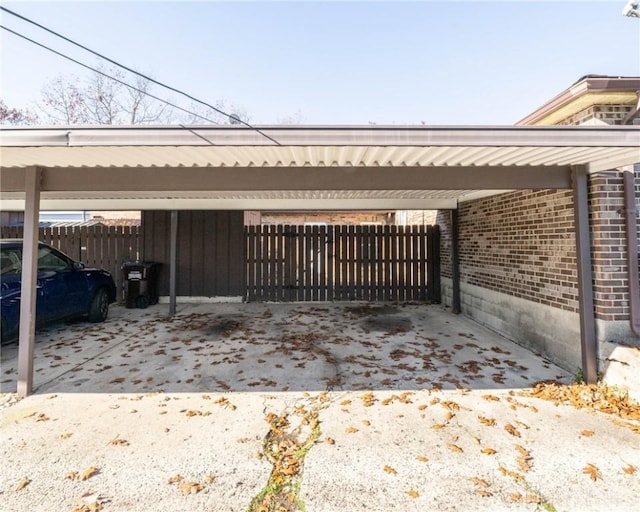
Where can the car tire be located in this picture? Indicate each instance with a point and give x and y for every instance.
(99, 308)
(3, 331)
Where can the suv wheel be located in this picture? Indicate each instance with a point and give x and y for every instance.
(99, 308)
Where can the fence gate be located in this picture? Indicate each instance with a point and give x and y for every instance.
(342, 263)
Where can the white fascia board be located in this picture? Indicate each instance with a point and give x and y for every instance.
(473, 136)
(232, 204)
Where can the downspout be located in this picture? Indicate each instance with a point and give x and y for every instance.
(632, 249)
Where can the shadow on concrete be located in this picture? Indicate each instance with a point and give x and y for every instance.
(268, 347)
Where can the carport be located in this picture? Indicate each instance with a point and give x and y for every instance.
(298, 167)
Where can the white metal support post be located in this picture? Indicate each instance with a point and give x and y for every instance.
(29, 281)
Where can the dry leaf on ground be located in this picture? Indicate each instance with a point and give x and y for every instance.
(592, 471)
(455, 448)
(488, 451)
(88, 473)
(489, 422)
(390, 470)
(512, 430)
(413, 494)
(480, 482)
(630, 469)
(351, 430)
(190, 487)
(22, 484)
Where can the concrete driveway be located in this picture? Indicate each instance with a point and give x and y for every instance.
(278, 407)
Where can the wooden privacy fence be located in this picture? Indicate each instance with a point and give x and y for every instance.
(341, 263)
(106, 247)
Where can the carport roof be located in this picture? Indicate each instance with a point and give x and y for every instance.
(312, 167)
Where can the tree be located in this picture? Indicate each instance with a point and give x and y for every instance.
(14, 116)
(99, 99)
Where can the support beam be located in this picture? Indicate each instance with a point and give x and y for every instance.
(173, 262)
(588, 341)
(28, 291)
(455, 264)
(178, 179)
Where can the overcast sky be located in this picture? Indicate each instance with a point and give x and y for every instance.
(441, 63)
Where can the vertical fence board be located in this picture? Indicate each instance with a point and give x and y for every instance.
(330, 262)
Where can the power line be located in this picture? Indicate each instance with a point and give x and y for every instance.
(105, 74)
(161, 84)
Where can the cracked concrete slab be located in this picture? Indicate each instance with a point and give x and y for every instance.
(430, 415)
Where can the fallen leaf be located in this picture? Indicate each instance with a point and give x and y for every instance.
(516, 496)
(422, 407)
(120, 442)
(512, 430)
(533, 498)
(329, 440)
(587, 433)
(345, 402)
(630, 469)
(175, 478)
(22, 484)
(71, 475)
(455, 448)
(351, 430)
(422, 458)
(491, 398)
(190, 488)
(489, 422)
(512, 474)
(592, 471)
(488, 451)
(366, 423)
(438, 426)
(390, 470)
(66, 435)
(88, 473)
(483, 493)
(480, 482)
(42, 417)
(413, 494)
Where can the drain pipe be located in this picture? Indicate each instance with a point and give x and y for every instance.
(632, 249)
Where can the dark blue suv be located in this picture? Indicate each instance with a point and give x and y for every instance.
(65, 289)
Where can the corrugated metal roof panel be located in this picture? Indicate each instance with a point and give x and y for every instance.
(294, 156)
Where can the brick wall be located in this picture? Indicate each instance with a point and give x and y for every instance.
(608, 239)
(343, 218)
(421, 217)
(521, 244)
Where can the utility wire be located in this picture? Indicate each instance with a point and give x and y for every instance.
(105, 74)
(161, 84)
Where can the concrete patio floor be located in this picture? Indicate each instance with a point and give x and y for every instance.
(277, 347)
(401, 408)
